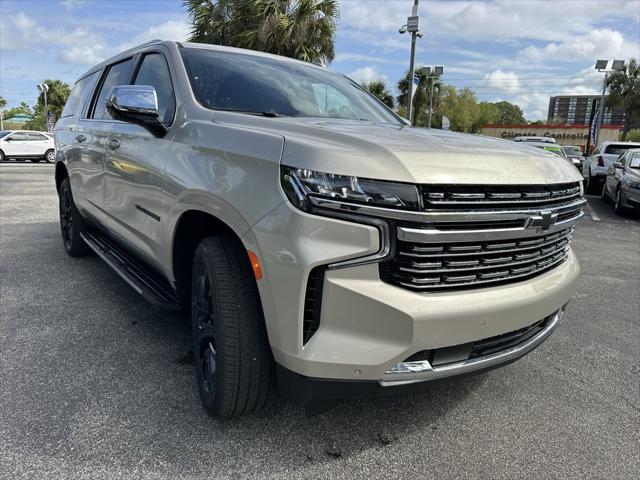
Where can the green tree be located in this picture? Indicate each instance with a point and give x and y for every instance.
(378, 89)
(487, 114)
(301, 29)
(23, 108)
(420, 101)
(3, 102)
(624, 91)
(56, 98)
(460, 106)
(510, 114)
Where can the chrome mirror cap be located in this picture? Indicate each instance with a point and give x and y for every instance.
(133, 99)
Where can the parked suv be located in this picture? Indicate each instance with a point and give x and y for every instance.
(318, 242)
(26, 144)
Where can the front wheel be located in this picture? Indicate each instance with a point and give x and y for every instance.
(234, 366)
(604, 194)
(71, 223)
(617, 203)
(50, 156)
(1, 156)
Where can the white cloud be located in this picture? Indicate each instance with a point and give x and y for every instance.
(367, 74)
(177, 30)
(603, 43)
(507, 82)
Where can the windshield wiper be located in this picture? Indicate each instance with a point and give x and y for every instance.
(269, 114)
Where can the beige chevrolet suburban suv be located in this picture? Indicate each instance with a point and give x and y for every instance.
(318, 242)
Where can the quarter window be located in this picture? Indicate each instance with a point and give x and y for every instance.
(118, 74)
(77, 96)
(154, 72)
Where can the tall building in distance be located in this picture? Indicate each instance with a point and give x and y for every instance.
(576, 110)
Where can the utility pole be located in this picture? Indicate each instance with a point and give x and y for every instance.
(412, 26)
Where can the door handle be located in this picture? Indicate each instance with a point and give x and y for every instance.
(80, 138)
(112, 144)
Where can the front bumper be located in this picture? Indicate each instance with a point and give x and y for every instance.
(320, 392)
(368, 326)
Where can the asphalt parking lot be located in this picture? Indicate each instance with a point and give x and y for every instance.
(96, 383)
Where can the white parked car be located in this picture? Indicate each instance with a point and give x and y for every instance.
(596, 166)
(26, 144)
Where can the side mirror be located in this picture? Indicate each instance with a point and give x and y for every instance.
(137, 104)
(617, 165)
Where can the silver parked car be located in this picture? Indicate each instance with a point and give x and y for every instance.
(318, 242)
(622, 182)
(596, 165)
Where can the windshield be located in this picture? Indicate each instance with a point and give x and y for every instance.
(259, 85)
(575, 151)
(618, 149)
(4, 133)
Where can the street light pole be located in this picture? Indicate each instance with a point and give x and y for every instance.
(601, 66)
(44, 88)
(411, 73)
(431, 100)
(412, 26)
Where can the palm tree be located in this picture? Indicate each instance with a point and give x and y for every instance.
(420, 94)
(302, 29)
(378, 89)
(624, 90)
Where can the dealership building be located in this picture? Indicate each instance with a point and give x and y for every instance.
(563, 134)
(577, 109)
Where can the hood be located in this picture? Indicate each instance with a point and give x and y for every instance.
(407, 154)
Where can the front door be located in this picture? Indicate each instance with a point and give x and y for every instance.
(134, 165)
(16, 145)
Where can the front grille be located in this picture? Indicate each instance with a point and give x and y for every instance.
(481, 348)
(440, 266)
(460, 197)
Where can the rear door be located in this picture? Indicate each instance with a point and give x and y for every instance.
(135, 163)
(38, 143)
(93, 136)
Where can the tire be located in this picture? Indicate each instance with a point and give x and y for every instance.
(1, 156)
(50, 156)
(603, 194)
(234, 365)
(71, 223)
(592, 185)
(617, 202)
(35, 160)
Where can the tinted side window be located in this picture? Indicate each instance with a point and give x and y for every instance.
(18, 136)
(38, 137)
(118, 74)
(155, 72)
(77, 96)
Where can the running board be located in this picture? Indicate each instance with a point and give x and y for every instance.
(141, 278)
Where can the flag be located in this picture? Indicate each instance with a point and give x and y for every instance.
(593, 131)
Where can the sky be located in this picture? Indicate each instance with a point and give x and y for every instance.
(521, 51)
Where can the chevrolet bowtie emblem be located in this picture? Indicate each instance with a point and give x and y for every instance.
(544, 221)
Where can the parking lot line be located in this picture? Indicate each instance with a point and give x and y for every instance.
(593, 214)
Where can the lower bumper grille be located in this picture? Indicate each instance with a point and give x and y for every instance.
(442, 266)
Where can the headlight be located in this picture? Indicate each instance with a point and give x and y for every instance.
(299, 184)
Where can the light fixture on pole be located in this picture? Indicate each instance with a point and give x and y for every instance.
(44, 88)
(601, 66)
(412, 26)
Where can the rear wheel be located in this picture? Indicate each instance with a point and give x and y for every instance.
(71, 223)
(234, 367)
(50, 156)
